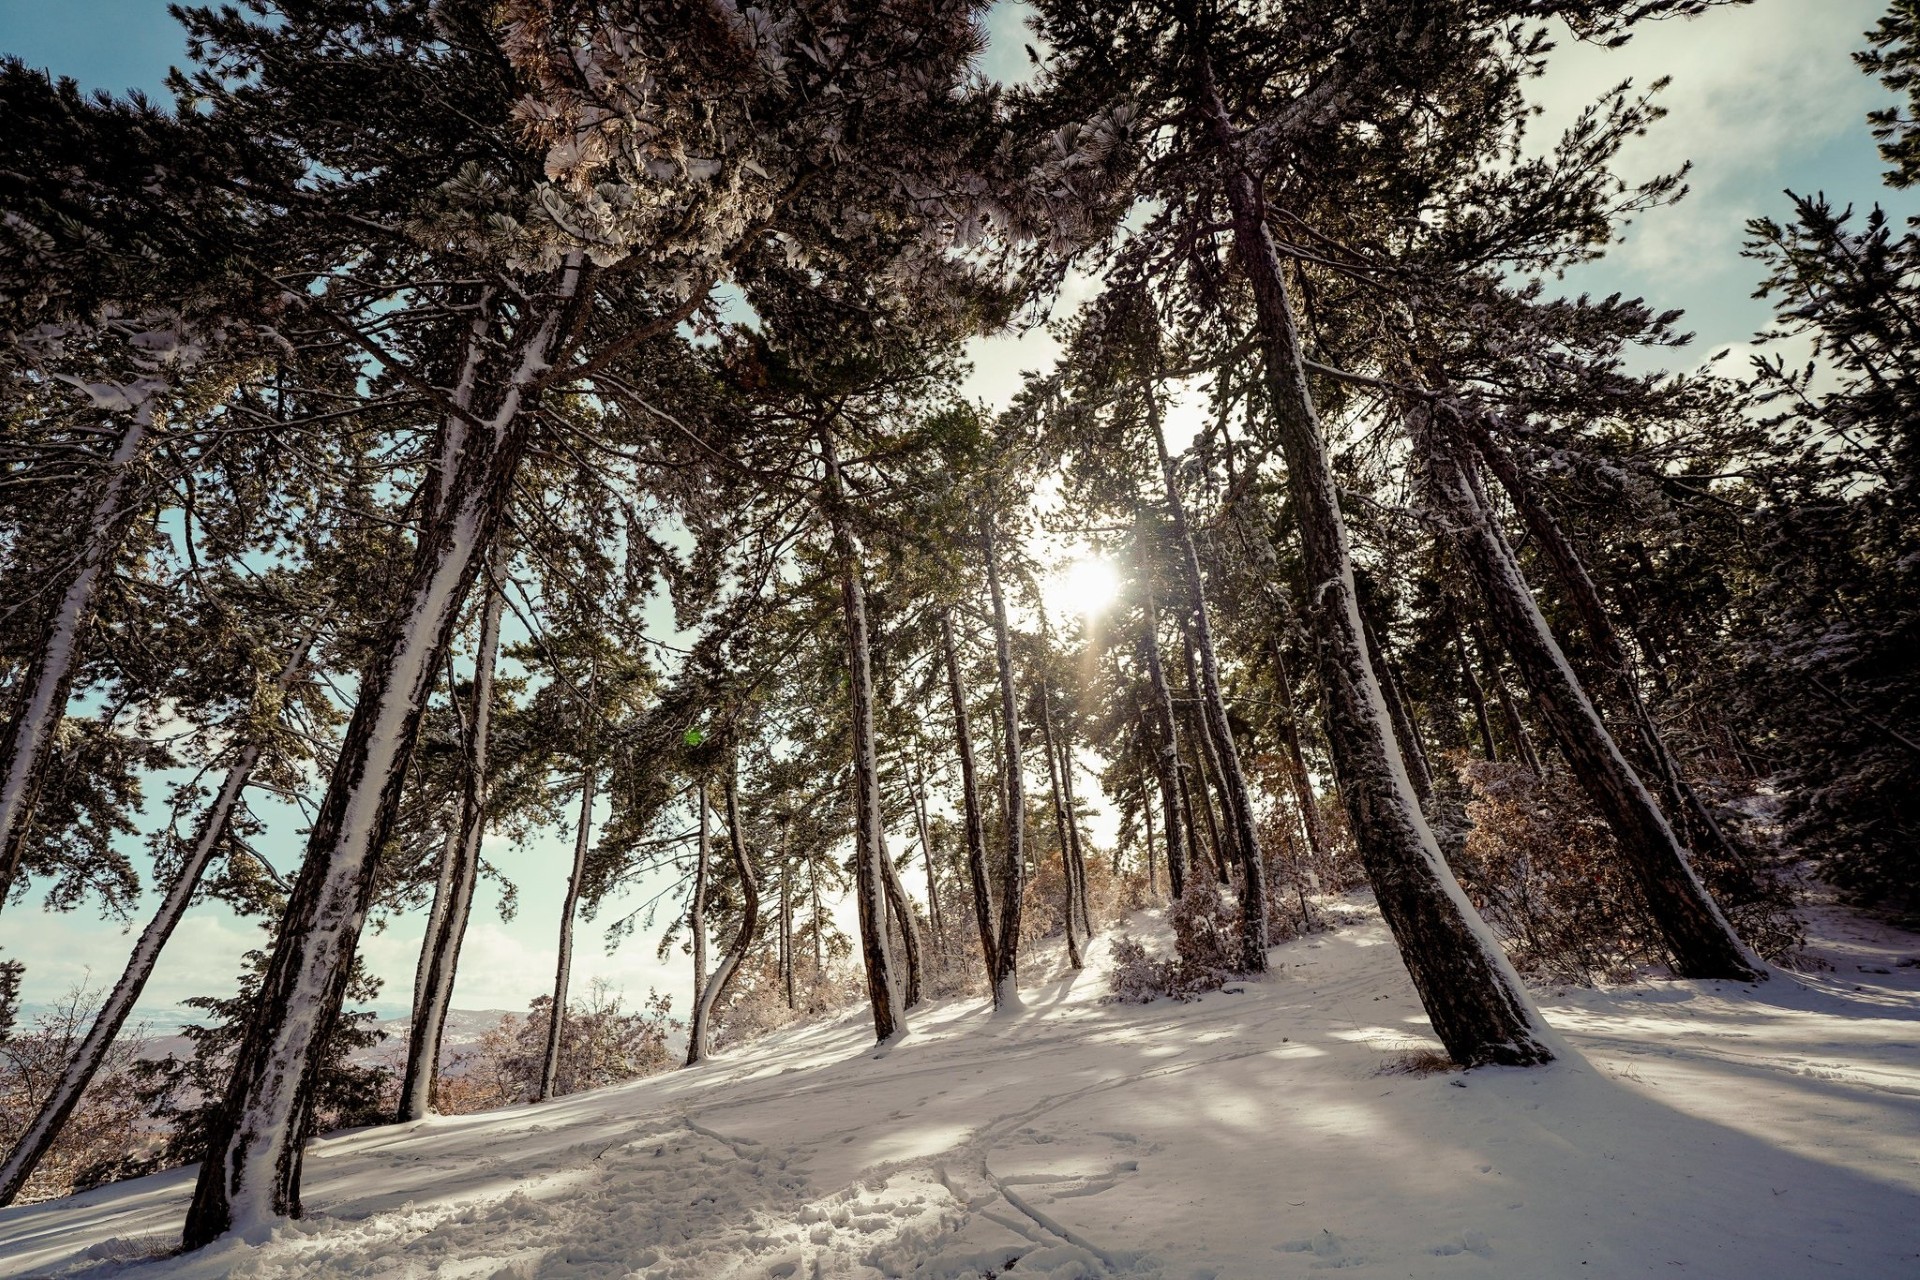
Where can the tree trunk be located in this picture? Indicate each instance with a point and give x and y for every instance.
(919, 796)
(1701, 942)
(1479, 1008)
(970, 802)
(1179, 834)
(1060, 823)
(870, 881)
(1412, 754)
(1223, 756)
(87, 1056)
(1475, 694)
(1654, 756)
(563, 967)
(453, 896)
(1073, 829)
(1509, 713)
(1006, 977)
(1146, 816)
(1302, 782)
(27, 745)
(819, 960)
(697, 932)
(736, 954)
(786, 927)
(252, 1173)
(900, 907)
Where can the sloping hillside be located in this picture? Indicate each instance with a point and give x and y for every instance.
(1269, 1130)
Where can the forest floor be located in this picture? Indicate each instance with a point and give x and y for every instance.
(1271, 1130)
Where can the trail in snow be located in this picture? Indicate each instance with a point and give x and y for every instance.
(1711, 1130)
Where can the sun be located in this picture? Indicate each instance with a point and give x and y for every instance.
(1086, 587)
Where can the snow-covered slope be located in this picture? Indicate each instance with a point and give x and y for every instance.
(1703, 1131)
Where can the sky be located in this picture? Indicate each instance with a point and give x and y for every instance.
(1763, 97)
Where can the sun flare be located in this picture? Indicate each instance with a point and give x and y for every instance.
(1086, 587)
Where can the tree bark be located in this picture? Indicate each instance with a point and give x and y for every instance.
(1478, 1006)
(697, 932)
(252, 1173)
(1413, 754)
(1698, 937)
(736, 954)
(970, 802)
(563, 967)
(453, 896)
(1006, 977)
(1073, 829)
(1302, 782)
(27, 744)
(919, 796)
(900, 908)
(1060, 823)
(884, 988)
(1223, 756)
(84, 1063)
(1179, 834)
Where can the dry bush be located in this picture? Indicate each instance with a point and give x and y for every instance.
(1542, 868)
(601, 1044)
(107, 1137)
(1206, 950)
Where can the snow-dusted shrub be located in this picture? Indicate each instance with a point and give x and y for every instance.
(601, 1044)
(104, 1138)
(1206, 950)
(1542, 868)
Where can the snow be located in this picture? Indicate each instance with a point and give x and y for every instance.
(1699, 1129)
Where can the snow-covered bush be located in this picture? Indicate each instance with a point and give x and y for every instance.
(601, 1044)
(1206, 941)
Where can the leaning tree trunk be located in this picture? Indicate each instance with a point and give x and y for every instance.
(1060, 825)
(970, 802)
(1073, 829)
(1302, 782)
(1179, 834)
(697, 933)
(884, 988)
(1006, 974)
(26, 747)
(736, 954)
(1509, 713)
(1616, 672)
(92, 1050)
(1222, 753)
(900, 910)
(1413, 754)
(569, 907)
(1476, 696)
(1697, 936)
(918, 782)
(453, 894)
(252, 1174)
(1479, 1008)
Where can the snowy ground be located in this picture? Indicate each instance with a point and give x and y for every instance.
(1710, 1131)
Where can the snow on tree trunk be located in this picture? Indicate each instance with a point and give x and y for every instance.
(459, 874)
(92, 1050)
(569, 907)
(1222, 753)
(1013, 885)
(1696, 935)
(252, 1174)
(973, 821)
(1479, 1008)
(697, 932)
(27, 745)
(870, 882)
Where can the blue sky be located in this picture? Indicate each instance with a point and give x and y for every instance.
(1763, 97)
